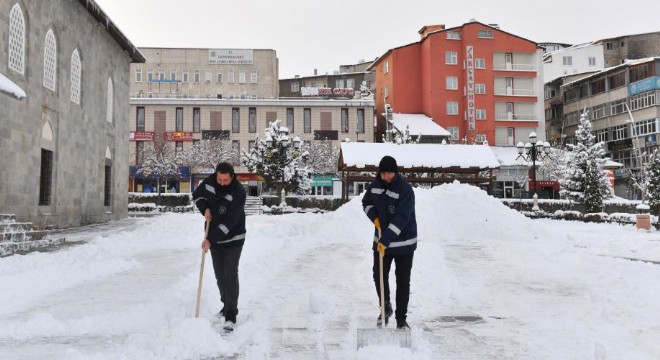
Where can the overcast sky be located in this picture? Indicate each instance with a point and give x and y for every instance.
(312, 34)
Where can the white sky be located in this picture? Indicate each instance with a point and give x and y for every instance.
(325, 34)
(544, 289)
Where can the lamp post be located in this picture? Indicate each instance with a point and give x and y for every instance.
(281, 144)
(532, 151)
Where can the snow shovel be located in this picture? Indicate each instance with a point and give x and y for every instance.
(383, 336)
(201, 272)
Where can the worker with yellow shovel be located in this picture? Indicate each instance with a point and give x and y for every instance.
(389, 202)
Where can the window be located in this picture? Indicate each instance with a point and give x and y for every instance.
(179, 119)
(480, 138)
(453, 35)
(599, 112)
(598, 86)
(184, 75)
(139, 119)
(609, 46)
(485, 34)
(235, 120)
(617, 107)
(196, 78)
(454, 131)
(386, 67)
(567, 60)
(480, 63)
(307, 120)
(107, 186)
(17, 39)
(290, 120)
(350, 83)
(623, 44)
(479, 88)
(150, 75)
(109, 101)
(601, 135)
(641, 71)
(236, 152)
(45, 177)
(178, 147)
(592, 61)
(620, 132)
(230, 77)
(252, 120)
(138, 75)
(510, 136)
(451, 82)
(172, 74)
(643, 100)
(339, 83)
(253, 77)
(480, 114)
(196, 120)
(360, 121)
(75, 77)
(295, 86)
(251, 144)
(451, 57)
(161, 74)
(387, 91)
(645, 127)
(344, 120)
(617, 80)
(452, 107)
(208, 75)
(241, 77)
(218, 77)
(50, 61)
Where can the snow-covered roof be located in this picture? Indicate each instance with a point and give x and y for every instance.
(418, 124)
(626, 63)
(610, 164)
(9, 87)
(361, 155)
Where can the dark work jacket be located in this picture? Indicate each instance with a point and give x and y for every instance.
(394, 205)
(227, 228)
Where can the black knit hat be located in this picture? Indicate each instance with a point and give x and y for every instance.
(388, 164)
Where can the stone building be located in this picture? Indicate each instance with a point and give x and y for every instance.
(64, 146)
(352, 78)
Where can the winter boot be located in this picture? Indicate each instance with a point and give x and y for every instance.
(221, 313)
(402, 324)
(230, 322)
(388, 314)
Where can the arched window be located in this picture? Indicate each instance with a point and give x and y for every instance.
(109, 102)
(17, 39)
(50, 60)
(75, 77)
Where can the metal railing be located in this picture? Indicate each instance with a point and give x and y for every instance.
(514, 92)
(515, 117)
(514, 67)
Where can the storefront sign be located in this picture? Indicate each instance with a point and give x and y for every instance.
(230, 56)
(316, 91)
(178, 136)
(620, 173)
(141, 136)
(619, 144)
(650, 140)
(644, 85)
(469, 66)
(322, 180)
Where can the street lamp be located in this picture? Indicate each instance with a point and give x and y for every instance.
(281, 143)
(532, 151)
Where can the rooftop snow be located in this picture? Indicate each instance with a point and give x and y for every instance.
(418, 124)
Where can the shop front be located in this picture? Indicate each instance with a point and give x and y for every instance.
(175, 183)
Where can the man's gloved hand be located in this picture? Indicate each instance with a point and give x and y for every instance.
(377, 223)
(381, 248)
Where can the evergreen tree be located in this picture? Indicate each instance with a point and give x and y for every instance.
(283, 167)
(593, 198)
(653, 182)
(574, 182)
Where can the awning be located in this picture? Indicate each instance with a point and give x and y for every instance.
(249, 177)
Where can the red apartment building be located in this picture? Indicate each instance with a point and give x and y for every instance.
(475, 80)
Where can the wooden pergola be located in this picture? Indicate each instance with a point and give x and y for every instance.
(438, 163)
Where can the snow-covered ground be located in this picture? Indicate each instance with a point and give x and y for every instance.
(487, 283)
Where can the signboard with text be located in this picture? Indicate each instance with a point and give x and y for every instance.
(231, 56)
(469, 67)
(141, 136)
(317, 91)
(641, 86)
(178, 136)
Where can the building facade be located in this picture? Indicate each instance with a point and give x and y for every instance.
(344, 83)
(623, 105)
(65, 154)
(186, 121)
(198, 73)
(636, 46)
(576, 59)
(475, 80)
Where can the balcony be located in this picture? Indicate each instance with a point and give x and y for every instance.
(514, 67)
(514, 92)
(508, 116)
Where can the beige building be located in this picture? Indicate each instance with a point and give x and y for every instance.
(206, 73)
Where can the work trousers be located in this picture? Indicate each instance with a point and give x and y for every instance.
(225, 266)
(402, 271)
